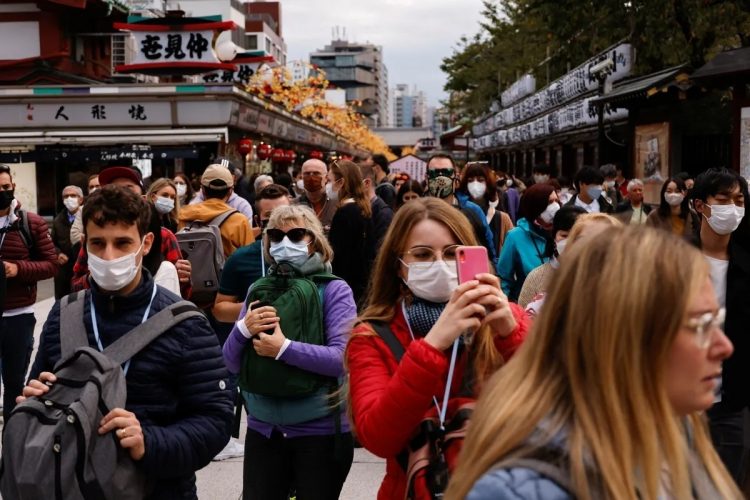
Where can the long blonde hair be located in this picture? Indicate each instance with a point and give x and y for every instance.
(386, 289)
(593, 370)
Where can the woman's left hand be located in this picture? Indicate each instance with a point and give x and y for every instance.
(269, 345)
(499, 315)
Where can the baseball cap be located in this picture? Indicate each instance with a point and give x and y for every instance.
(218, 176)
(109, 174)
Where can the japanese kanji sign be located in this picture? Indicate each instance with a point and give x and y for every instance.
(73, 114)
(184, 48)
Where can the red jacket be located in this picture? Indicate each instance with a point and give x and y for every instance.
(41, 265)
(389, 400)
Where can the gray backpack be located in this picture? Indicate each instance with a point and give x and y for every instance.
(200, 243)
(51, 445)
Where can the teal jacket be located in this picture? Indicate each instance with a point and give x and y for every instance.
(523, 251)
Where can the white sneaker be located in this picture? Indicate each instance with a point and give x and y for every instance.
(233, 449)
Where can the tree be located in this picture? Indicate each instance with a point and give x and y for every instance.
(549, 37)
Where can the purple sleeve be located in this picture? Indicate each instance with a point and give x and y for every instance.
(339, 313)
(234, 346)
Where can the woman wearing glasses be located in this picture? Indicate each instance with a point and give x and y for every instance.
(606, 401)
(313, 456)
(415, 294)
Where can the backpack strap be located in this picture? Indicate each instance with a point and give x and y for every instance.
(25, 230)
(142, 335)
(72, 332)
(221, 218)
(385, 333)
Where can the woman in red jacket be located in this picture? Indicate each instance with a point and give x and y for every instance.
(415, 292)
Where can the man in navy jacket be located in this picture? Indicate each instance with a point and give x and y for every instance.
(179, 406)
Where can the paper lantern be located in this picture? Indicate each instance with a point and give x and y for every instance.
(278, 155)
(245, 146)
(290, 155)
(317, 155)
(264, 151)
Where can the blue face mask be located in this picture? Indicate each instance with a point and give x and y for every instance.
(594, 192)
(285, 251)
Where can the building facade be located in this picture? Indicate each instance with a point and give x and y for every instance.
(409, 107)
(360, 70)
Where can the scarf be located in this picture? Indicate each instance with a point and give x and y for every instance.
(422, 315)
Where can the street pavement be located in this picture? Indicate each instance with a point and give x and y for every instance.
(223, 480)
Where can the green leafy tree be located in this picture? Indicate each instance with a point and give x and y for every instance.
(549, 37)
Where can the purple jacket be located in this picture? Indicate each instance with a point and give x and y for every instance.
(339, 313)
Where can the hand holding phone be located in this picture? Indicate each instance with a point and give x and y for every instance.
(471, 261)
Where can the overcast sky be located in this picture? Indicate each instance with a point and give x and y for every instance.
(415, 34)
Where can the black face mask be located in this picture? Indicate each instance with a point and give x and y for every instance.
(6, 197)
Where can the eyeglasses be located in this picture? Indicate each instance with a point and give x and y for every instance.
(704, 324)
(295, 235)
(428, 254)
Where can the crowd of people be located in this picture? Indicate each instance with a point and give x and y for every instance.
(601, 354)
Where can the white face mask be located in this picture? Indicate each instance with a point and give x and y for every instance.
(71, 204)
(181, 190)
(432, 281)
(115, 274)
(725, 218)
(609, 184)
(285, 251)
(332, 195)
(477, 189)
(164, 205)
(674, 199)
(495, 203)
(541, 178)
(549, 213)
(301, 185)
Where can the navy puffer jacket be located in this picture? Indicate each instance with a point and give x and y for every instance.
(178, 386)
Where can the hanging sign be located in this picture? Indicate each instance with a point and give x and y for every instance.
(184, 48)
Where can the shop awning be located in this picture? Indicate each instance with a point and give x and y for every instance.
(729, 64)
(122, 136)
(645, 86)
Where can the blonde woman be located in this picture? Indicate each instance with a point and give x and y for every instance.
(605, 401)
(162, 194)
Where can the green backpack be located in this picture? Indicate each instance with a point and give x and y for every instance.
(299, 303)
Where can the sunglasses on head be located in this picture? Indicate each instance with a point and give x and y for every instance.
(295, 235)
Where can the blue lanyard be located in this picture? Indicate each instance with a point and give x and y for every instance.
(96, 327)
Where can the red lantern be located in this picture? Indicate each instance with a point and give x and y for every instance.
(278, 155)
(245, 146)
(290, 155)
(316, 155)
(264, 151)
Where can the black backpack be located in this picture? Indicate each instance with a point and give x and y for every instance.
(51, 445)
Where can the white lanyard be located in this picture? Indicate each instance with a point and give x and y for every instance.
(96, 327)
(454, 354)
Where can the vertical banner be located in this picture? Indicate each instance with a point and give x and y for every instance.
(745, 143)
(652, 158)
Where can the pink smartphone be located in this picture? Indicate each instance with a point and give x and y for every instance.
(471, 261)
